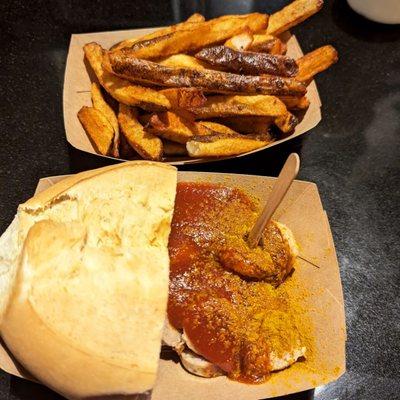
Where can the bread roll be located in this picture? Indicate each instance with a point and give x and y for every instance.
(88, 304)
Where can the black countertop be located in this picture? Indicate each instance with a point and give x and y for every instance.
(353, 154)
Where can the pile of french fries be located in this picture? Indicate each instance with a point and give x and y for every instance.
(201, 88)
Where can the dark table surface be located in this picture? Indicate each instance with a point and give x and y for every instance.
(353, 154)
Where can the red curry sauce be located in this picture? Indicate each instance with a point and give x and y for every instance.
(227, 313)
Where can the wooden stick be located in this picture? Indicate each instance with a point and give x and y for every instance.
(285, 179)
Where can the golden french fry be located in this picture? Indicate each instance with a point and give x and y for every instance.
(183, 60)
(217, 127)
(199, 35)
(184, 97)
(175, 127)
(316, 61)
(241, 42)
(174, 149)
(146, 144)
(225, 106)
(100, 104)
(264, 43)
(250, 125)
(295, 103)
(126, 65)
(122, 90)
(190, 22)
(286, 123)
(292, 15)
(98, 128)
(222, 145)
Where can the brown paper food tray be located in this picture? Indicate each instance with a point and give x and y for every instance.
(303, 213)
(77, 92)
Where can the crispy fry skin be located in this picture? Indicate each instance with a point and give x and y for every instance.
(226, 106)
(199, 35)
(184, 97)
(190, 22)
(121, 89)
(100, 104)
(286, 123)
(247, 62)
(295, 103)
(183, 60)
(292, 15)
(146, 144)
(316, 61)
(125, 64)
(218, 128)
(222, 145)
(249, 125)
(263, 43)
(174, 127)
(240, 42)
(174, 149)
(98, 128)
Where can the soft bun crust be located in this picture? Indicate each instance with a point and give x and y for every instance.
(88, 306)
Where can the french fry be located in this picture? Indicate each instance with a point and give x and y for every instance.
(316, 61)
(122, 90)
(263, 43)
(295, 103)
(183, 60)
(199, 35)
(174, 127)
(240, 42)
(100, 104)
(226, 106)
(250, 125)
(193, 19)
(184, 97)
(248, 62)
(286, 123)
(218, 128)
(98, 129)
(292, 15)
(146, 144)
(222, 145)
(126, 65)
(174, 149)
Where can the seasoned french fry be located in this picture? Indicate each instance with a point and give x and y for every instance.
(196, 17)
(286, 123)
(241, 42)
(249, 125)
(190, 22)
(218, 128)
(98, 128)
(316, 61)
(222, 145)
(226, 106)
(100, 104)
(146, 144)
(183, 60)
(174, 149)
(125, 64)
(295, 103)
(122, 90)
(184, 97)
(248, 62)
(199, 35)
(174, 127)
(263, 43)
(292, 15)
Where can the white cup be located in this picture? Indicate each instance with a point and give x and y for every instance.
(384, 11)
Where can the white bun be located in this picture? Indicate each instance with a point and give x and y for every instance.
(88, 306)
